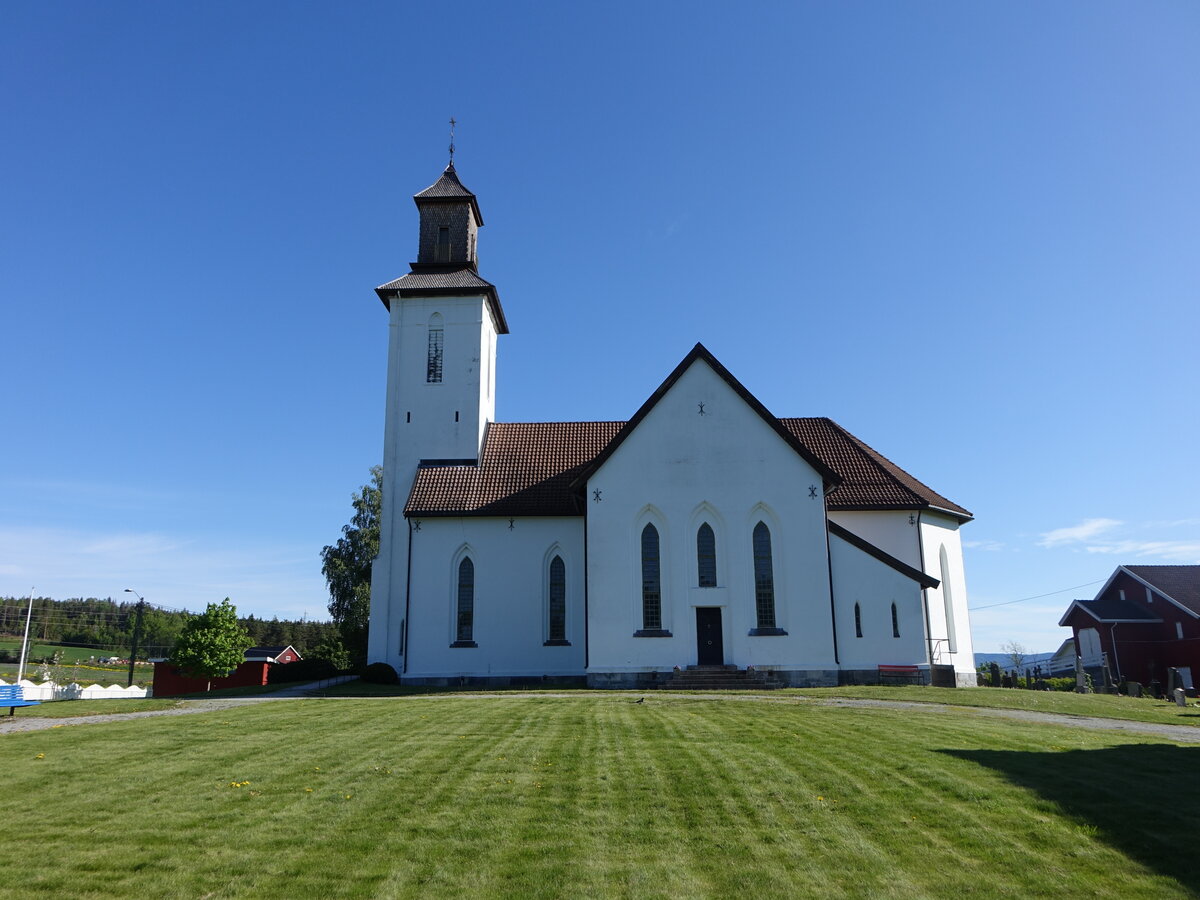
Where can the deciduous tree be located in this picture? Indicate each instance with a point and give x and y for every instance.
(347, 567)
(212, 643)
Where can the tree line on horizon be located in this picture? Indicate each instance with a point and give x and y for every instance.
(107, 626)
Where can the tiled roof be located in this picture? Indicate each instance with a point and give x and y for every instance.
(869, 479)
(451, 279)
(1180, 583)
(433, 279)
(527, 469)
(449, 189)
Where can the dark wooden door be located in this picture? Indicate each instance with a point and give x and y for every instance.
(710, 650)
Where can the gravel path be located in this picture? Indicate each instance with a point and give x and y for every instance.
(1182, 733)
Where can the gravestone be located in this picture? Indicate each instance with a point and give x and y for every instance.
(995, 671)
(1081, 685)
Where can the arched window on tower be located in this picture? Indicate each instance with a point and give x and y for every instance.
(433, 364)
(764, 578)
(706, 556)
(651, 581)
(556, 631)
(948, 600)
(465, 625)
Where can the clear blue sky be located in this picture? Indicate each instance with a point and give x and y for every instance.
(967, 232)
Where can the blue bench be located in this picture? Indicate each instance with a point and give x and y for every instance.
(13, 695)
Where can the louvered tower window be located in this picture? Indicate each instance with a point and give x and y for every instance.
(442, 250)
(706, 556)
(433, 365)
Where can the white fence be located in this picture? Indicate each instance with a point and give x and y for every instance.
(48, 690)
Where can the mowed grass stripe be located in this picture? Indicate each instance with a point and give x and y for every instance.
(592, 796)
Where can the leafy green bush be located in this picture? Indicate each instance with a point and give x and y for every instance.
(1060, 684)
(380, 673)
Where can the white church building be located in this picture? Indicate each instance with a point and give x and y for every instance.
(703, 531)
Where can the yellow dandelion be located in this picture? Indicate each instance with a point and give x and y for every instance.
(40, 756)
(308, 790)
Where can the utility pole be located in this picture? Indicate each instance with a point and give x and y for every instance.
(137, 632)
(25, 639)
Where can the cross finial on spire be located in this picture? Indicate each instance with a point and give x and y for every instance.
(452, 124)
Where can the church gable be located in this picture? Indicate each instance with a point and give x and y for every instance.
(696, 361)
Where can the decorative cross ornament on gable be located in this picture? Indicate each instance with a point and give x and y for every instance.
(511, 524)
(596, 495)
(812, 491)
(416, 524)
(702, 412)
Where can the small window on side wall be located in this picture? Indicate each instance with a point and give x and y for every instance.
(857, 621)
(895, 622)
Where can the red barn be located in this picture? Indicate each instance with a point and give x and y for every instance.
(1145, 619)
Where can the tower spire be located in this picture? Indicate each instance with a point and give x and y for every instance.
(452, 124)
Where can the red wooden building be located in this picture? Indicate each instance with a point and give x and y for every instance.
(170, 682)
(1145, 619)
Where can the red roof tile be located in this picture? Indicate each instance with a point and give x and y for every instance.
(527, 469)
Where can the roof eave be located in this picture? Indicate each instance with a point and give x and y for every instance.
(386, 295)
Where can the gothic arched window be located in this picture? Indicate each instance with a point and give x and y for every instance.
(465, 625)
(651, 581)
(948, 601)
(764, 577)
(557, 630)
(706, 556)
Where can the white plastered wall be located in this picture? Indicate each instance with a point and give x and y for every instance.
(511, 597)
(859, 578)
(727, 467)
(949, 628)
(887, 529)
(423, 420)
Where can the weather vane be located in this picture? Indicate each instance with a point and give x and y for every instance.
(452, 124)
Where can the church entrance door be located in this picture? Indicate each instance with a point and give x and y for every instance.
(710, 649)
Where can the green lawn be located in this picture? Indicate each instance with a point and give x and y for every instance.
(594, 795)
(62, 709)
(1105, 706)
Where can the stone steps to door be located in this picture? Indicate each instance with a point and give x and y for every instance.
(724, 678)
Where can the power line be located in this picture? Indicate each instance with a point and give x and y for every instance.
(1036, 596)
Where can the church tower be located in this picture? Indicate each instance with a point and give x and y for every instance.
(443, 324)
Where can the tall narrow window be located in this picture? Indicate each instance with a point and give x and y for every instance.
(857, 621)
(442, 252)
(465, 634)
(706, 556)
(433, 365)
(764, 578)
(948, 600)
(895, 622)
(651, 581)
(557, 632)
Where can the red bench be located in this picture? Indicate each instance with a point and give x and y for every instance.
(903, 674)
